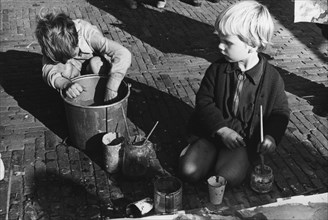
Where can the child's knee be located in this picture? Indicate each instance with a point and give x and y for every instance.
(97, 66)
(236, 179)
(189, 173)
(234, 175)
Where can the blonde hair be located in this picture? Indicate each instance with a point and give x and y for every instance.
(250, 21)
(57, 36)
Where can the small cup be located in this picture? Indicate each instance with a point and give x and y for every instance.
(216, 187)
(112, 143)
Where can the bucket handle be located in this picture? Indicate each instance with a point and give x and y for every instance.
(126, 124)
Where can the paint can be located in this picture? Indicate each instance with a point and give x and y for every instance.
(167, 195)
(136, 159)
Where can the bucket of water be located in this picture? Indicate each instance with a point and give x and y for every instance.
(89, 118)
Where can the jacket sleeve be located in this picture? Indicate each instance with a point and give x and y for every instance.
(115, 53)
(277, 121)
(50, 72)
(209, 116)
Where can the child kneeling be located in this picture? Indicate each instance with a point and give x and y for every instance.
(70, 47)
(225, 126)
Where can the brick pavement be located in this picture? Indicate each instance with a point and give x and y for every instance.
(46, 178)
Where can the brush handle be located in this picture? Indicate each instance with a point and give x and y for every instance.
(261, 122)
(151, 132)
(2, 169)
(262, 138)
(262, 163)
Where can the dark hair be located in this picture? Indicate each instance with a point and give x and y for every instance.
(57, 37)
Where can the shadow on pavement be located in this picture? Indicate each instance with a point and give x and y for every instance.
(148, 105)
(283, 11)
(21, 78)
(314, 93)
(164, 30)
(55, 196)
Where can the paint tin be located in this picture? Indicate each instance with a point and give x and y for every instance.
(136, 159)
(167, 195)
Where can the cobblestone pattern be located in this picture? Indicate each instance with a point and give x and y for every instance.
(46, 178)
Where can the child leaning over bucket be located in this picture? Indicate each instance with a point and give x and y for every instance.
(70, 47)
(225, 126)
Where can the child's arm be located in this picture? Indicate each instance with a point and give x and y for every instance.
(268, 145)
(208, 114)
(72, 90)
(230, 138)
(58, 76)
(276, 121)
(116, 54)
(120, 59)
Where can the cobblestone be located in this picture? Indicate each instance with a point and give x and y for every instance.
(172, 48)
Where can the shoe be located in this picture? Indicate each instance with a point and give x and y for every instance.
(196, 3)
(161, 4)
(132, 4)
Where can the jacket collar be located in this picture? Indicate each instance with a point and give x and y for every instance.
(254, 74)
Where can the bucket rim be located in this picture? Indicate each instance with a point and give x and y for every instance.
(98, 106)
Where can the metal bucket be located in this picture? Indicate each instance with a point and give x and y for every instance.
(167, 195)
(89, 118)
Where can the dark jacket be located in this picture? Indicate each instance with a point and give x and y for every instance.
(211, 111)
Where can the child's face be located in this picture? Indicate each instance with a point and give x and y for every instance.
(76, 51)
(233, 49)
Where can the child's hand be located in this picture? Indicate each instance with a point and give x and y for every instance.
(109, 95)
(73, 90)
(231, 138)
(268, 145)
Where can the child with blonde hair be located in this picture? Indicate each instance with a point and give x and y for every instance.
(71, 47)
(225, 126)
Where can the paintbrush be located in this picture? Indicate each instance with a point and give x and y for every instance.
(262, 138)
(151, 132)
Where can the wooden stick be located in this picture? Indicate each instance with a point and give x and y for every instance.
(151, 132)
